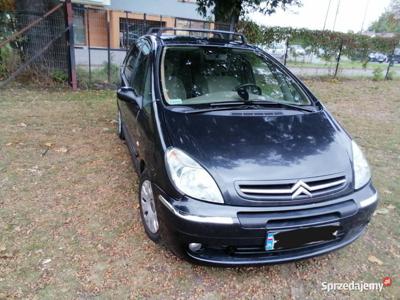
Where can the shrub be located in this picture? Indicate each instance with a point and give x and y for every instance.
(59, 76)
(391, 75)
(377, 74)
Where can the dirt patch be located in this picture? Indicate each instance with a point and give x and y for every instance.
(70, 223)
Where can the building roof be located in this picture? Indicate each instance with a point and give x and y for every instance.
(176, 8)
(93, 2)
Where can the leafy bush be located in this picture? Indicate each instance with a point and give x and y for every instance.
(59, 76)
(8, 61)
(377, 74)
(391, 75)
(324, 43)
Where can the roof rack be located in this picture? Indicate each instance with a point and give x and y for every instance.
(159, 30)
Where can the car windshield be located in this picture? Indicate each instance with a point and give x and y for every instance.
(204, 75)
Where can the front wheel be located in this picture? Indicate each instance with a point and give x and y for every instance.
(120, 131)
(148, 210)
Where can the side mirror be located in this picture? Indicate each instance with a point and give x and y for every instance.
(126, 93)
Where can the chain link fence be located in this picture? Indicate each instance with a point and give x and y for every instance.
(33, 46)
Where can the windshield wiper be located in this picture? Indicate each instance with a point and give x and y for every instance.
(284, 105)
(250, 104)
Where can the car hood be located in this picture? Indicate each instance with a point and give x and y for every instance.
(261, 145)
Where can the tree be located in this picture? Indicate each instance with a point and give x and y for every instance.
(389, 21)
(43, 33)
(229, 11)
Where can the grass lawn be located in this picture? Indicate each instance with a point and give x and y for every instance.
(70, 224)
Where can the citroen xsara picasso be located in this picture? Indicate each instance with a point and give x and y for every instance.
(239, 163)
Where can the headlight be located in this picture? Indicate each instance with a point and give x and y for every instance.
(190, 178)
(362, 174)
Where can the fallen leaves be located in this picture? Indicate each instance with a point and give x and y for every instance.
(35, 171)
(375, 260)
(4, 254)
(381, 211)
(61, 150)
(391, 206)
(46, 261)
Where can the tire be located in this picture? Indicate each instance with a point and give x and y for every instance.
(148, 211)
(120, 131)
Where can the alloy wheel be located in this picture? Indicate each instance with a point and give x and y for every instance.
(148, 207)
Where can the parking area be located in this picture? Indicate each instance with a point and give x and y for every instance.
(69, 212)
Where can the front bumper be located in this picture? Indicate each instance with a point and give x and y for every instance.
(235, 235)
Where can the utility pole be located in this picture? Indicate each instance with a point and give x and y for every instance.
(327, 13)
(365, 15)
(337, 12)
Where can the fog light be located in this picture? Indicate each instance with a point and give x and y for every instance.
(369, 201)
(195, 247)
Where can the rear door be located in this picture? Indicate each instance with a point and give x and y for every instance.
(135, 75)
(125, 107)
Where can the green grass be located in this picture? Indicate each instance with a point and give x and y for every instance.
(97, 76)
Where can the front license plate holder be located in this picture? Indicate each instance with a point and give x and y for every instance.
(300, 237)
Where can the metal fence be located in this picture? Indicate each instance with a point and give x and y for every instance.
(317, 62)
(33, 46)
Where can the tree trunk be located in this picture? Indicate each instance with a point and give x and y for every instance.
(227, 14)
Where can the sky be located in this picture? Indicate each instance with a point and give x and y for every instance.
(312, 15)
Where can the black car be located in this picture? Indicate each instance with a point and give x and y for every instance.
(239, 163)
(394, 58)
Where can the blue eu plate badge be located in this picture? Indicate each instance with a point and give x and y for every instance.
(270, 242)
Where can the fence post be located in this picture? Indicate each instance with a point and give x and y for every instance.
(338, 58)
(126, 31)
(145, 24)
(108, 47)
(286, 51)
(69, 17)
(390, 63)
(88, 36)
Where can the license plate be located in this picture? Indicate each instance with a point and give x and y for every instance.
(295, 238)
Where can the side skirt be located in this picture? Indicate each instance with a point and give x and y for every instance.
(132, 150)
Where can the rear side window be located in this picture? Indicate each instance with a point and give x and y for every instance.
(130, 63)
(136, 66)
(141, 67)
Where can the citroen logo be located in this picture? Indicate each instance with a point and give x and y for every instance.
(300, 188)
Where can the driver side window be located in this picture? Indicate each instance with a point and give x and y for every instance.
(137, 65)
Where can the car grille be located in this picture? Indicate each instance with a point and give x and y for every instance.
(292, 190)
